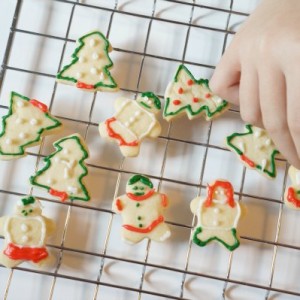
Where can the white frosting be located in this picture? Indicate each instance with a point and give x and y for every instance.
(263, 164)
(241, 145)
(50, 181)
(217, 210)
(24, 227)
(72, 189)
(33, 121)
(216, 223)
(19, 120)
(268, 142)
(93, 70)
(257, 133)
(22, 135)
(137, 113)
(8, 141)
(66, 173)
(101, 77)
(57, 159)
(126, 124)
(20, 104)
(81, 59)
(95, 56)
(66, 151)
(25, 238)
(78, 75)
(92, 42)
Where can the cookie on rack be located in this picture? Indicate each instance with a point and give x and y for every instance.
(25, 235)
(24, 125)
(89, 69)
(65, 169)
(133, 121)
(187, 95)
(218, 216)
(255, 149)
(292, 193)
(142, 210)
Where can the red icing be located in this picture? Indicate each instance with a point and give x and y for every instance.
(117, 136)
(176, 102)
(226, 186)
(62, 195)
(25, 253)
(43, 107)
(82, 85)
(164, 200)
(180, 90)
(207, 95)
(119, 205)
(190, 82)
(292, 197)
(140, 198)
(147, 229)
(247, 161)
(196, 100)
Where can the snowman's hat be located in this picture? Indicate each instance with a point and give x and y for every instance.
(140, 178)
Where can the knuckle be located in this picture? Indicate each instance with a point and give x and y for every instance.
(250, 116)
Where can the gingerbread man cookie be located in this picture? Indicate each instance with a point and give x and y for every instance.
(255, 149)
(25, 235)
(218, 216)
(185, 94)
(24, 125)
(292, 193)
(89, 69)
(133, 121)
(142, 211)
(65, 170)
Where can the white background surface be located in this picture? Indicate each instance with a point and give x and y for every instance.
(87, 228)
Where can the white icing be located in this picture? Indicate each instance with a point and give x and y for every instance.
(95, 56)
(93, 71)
(131, 119)
(20, 104)
(101, 77)
(263, 164)
(217, 210)
(78, 75)
(92, 42)
(8, 141)
(126, 124)
(257, 133)
(57, 159)
(81, 59)
(33, 122)
(145, 98)
(66, 173)
(19, 120)
(24, 227)
(241, 145)
(66, 151)
(50, 181)
(268, 142)
(137, 113)
(72, 189)
(22, 135)
(25, 238)
(216, 223)
(166, 235)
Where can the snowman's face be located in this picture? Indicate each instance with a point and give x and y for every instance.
(137, 189)
(28, 210)
(219, 194)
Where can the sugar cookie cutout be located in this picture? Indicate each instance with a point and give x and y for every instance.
(142, 209)
(255, 149)
(25, 235)
(185, 94)
(24, 125)
(133, 121)
(89, 69)
(65, 170)
(292, 193)
(218, 215)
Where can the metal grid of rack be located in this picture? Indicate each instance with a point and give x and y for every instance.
(105, 255)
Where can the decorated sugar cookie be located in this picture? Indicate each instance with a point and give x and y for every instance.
(193, 97)
(65, 170)
(142, 211)
(24, 125)
(292, 193)
(133, 121)
(25, 233)
(218, 216)
(255, 149)
(89, 69)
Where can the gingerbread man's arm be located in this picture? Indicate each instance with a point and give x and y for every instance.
(50, 225)
(156, 130)
(194, 204)
(2, 221)
(118, 205)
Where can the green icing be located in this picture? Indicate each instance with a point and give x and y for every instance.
(202, 243)
(75, 59)
(155, 99)
(39, 133)
(188, 107)
(229, 142)
(145, 180)
(47, 160)
(27, 201)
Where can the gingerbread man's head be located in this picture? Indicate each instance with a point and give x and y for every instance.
(139, 185)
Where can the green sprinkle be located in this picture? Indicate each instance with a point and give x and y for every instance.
(138, 204)
(139, 218)
(140, 225)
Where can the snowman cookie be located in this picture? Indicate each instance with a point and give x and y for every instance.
(187, 95)
(25, 233)
(24, 125)
(142, 209)
(89, 69)
(65, 170)
(292, 193)
(218, 216)
(133, 121)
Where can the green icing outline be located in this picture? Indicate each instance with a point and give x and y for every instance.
(156, 100)
(39, 133)
(188, 107)
(248, 127)
(204, 243)
(48, 165)
(143, 179)
(75, 60)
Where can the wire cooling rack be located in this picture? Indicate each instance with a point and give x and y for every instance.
(150, 38)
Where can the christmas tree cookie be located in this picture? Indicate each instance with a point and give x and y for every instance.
(25, 235)
(185, 94)
(292, 193)
(142, 209)
(255, 149)
(89, 69)
(65, 170)
(24, 125)
(218, 216)
(133, 121)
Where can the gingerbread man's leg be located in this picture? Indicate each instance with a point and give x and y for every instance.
(160, 233)
(7, 262)
(130, 150)
(132, 237)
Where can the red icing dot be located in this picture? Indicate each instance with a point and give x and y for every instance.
(176, 102)
(180, 90)
(196, 100)
(207, 95)
(190, 82)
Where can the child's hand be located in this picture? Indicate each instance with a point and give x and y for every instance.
(260, 71)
